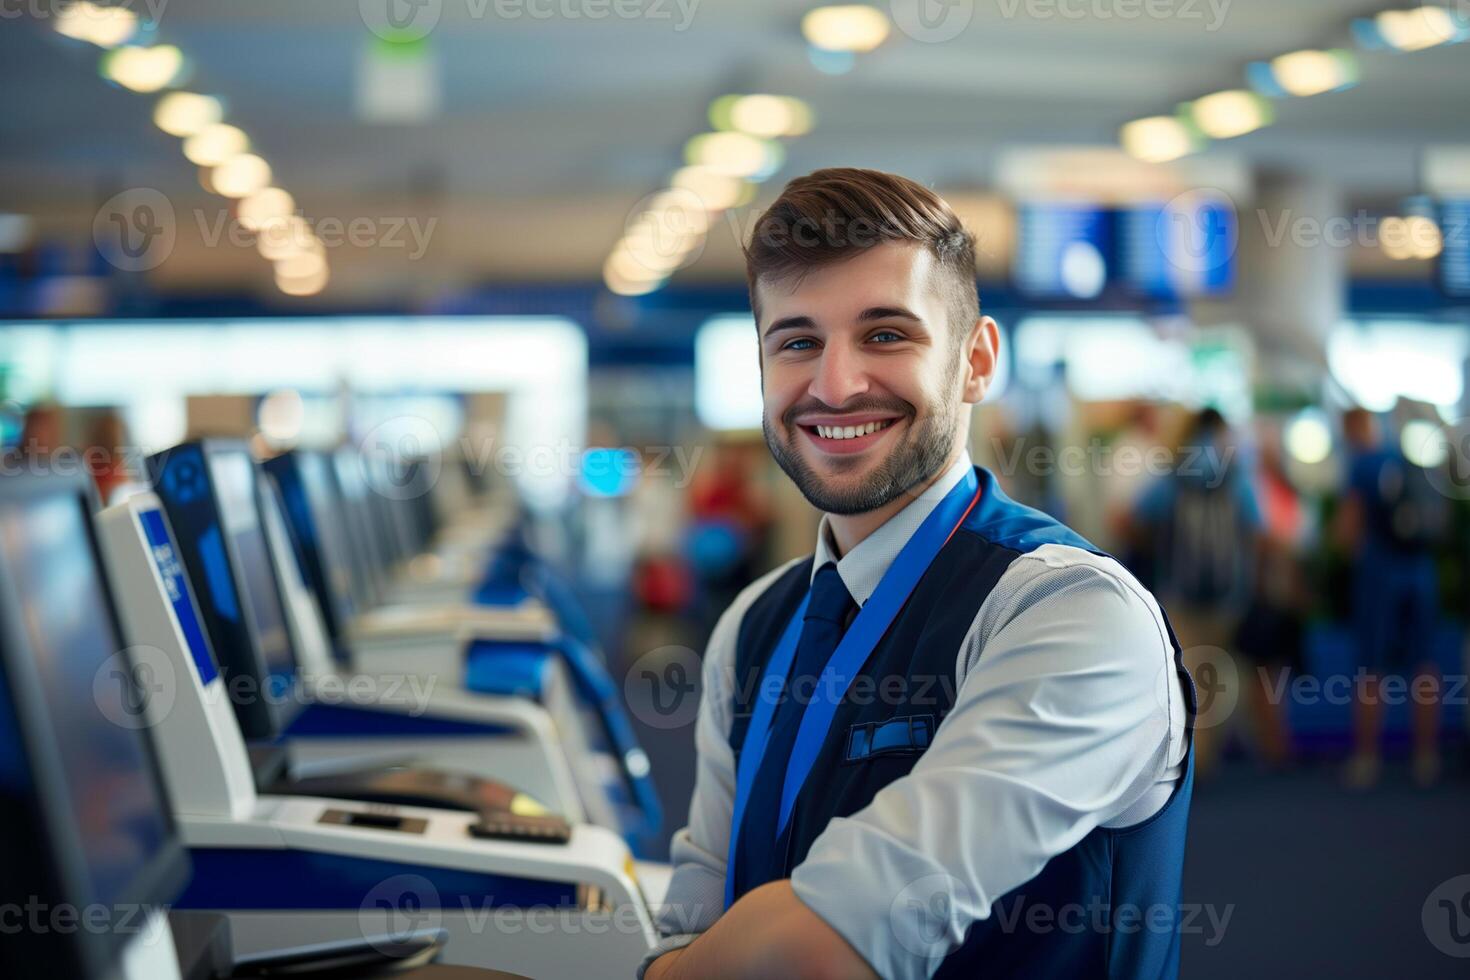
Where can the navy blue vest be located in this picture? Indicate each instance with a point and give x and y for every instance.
(1112, 888)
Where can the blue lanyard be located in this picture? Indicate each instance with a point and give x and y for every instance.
(857, 644)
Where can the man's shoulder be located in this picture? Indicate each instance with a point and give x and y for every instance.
(1053, 574)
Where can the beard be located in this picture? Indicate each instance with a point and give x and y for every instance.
(917, 458)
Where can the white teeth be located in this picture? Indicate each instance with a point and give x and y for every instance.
(851, 431)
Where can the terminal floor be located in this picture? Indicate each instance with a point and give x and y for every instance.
(1325, 882)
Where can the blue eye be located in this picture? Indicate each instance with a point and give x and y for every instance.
(792, 345)
(886, 333)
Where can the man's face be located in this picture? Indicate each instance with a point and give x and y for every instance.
(863, 383)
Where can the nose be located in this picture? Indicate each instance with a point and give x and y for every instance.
(839, 376)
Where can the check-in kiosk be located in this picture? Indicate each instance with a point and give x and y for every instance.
(611, 769)
(95, 855)
(300, 723)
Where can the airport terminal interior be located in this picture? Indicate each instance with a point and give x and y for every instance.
(386, 426)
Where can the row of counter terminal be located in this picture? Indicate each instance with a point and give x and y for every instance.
(326, 715)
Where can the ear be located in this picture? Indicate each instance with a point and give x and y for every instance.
(982, 351)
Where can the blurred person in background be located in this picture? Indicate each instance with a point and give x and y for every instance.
(1200, 526)
(1390, 520)
(1270, 635)
(1132, 449)
(42, 433)
(106, 453)
(729, 527)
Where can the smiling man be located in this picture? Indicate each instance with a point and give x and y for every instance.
(955, 740)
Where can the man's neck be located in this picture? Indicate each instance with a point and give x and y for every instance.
(849, 530)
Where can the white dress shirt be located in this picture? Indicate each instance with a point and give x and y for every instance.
(1072, 719)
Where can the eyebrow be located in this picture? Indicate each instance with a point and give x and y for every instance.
(887, 313)
(872, 313)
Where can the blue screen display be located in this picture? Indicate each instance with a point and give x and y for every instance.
(1183, 247)
(1064, 250)
(234, 483)
(171, 570)
(1454, 259)
(47, 551)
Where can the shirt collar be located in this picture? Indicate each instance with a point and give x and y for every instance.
(863, 567)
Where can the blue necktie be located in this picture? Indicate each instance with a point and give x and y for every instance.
(826, 617)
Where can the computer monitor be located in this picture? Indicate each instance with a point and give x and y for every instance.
(209, 489)
(317, 534)
(381, 489)
(366, 537)
(85, 812)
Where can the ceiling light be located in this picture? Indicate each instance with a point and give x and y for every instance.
(735, 155)
(143, 69)
(214, 144)
(718, 191)
(1414, 30)
(241, 175)
(282, 237)
(263, 205)
(105, 27)
(186, 113)
(848, 27)
(301, 265)
(1231, 113)
(1304, 73)
(761, 115)
(308, 285)
(1158, 139)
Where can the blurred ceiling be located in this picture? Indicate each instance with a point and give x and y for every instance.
(551, 127)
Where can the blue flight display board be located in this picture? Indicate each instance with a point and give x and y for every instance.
(1185, 247)
(1064, 250)
(1165, 250)
(1454, 259)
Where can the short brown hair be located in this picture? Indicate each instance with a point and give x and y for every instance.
(832, 215)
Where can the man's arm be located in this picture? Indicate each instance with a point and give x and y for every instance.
(696, 894)
(767, 933)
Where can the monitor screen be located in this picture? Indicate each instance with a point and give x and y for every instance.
(90, 695)
(315, 533)
(1064, 251)
(234, 483)
(357, 514)
(1454, 257)
(316, 481)
(176, 585)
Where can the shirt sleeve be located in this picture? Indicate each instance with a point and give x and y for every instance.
(1063, 725)
(696, 894)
